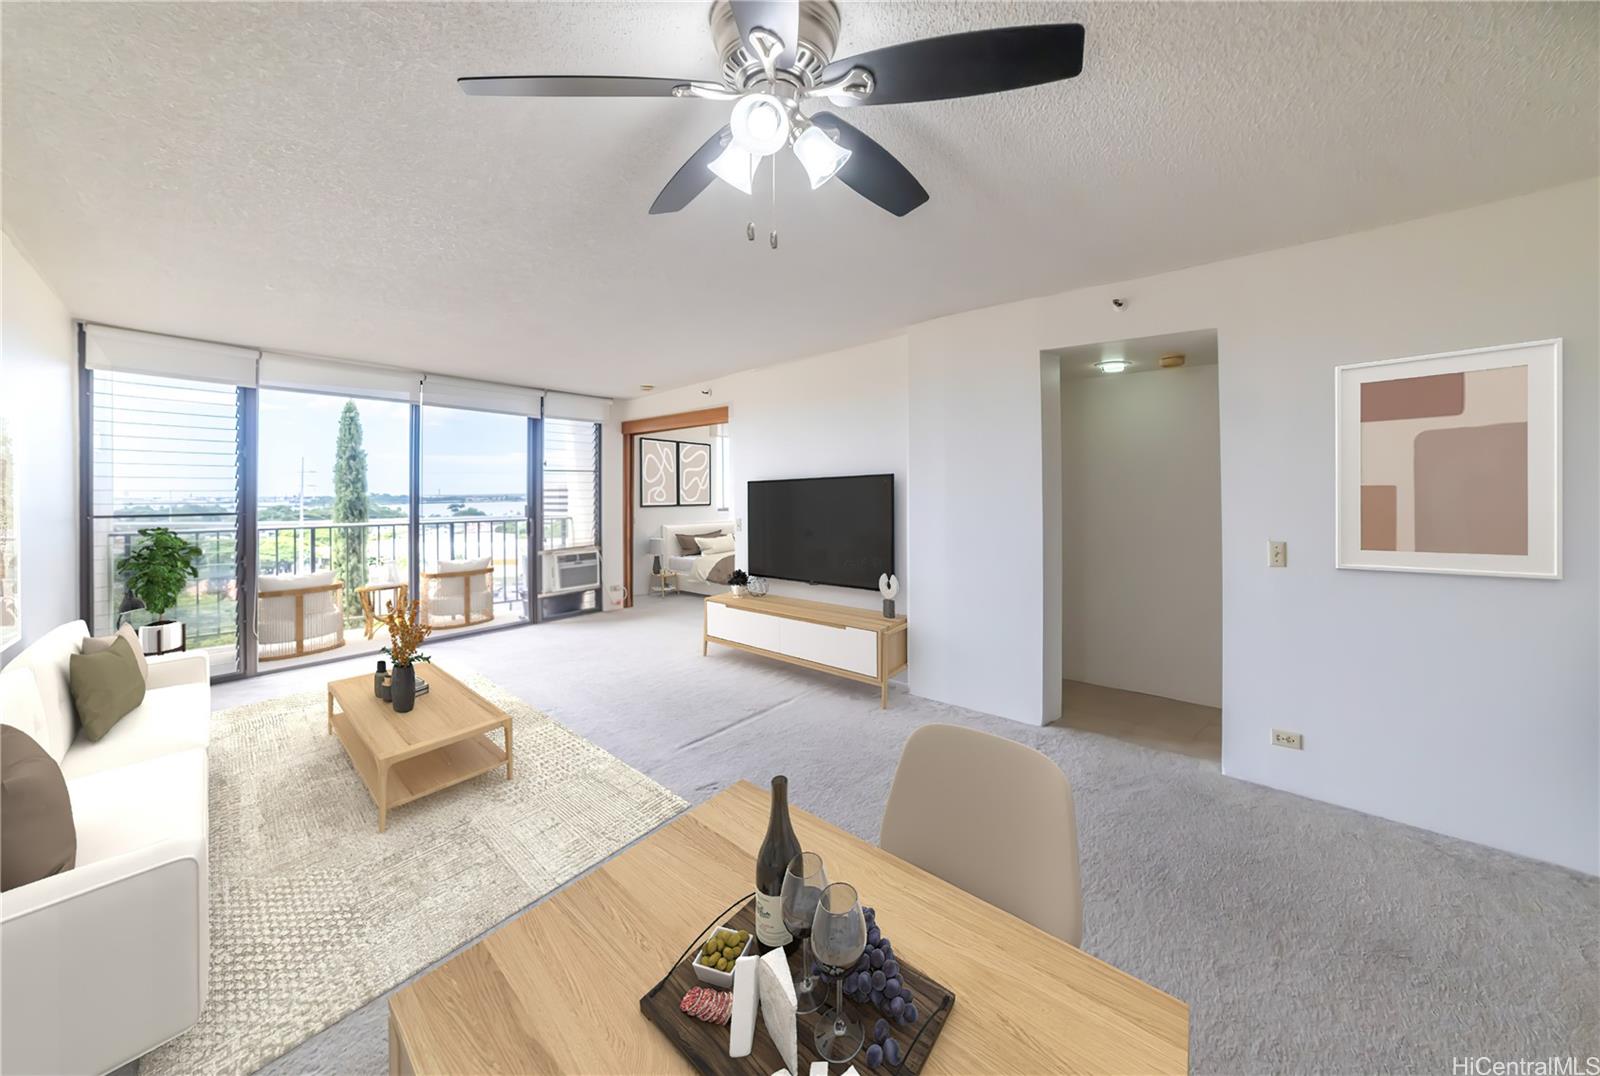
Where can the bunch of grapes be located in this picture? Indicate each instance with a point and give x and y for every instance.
(875, 979)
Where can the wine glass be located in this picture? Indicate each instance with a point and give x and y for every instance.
(838, 938)
(803, 883)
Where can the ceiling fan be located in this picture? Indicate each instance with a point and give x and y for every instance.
(777, 61)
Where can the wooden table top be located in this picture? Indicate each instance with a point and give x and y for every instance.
(839, 616)
(450, 711)
(558, 989)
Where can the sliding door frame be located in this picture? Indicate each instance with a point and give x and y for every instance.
(710, 416)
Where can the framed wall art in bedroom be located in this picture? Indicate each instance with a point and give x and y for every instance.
(658, 473)
(694, 474)
(1451, 462)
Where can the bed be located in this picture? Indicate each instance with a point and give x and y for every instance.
(696, 573)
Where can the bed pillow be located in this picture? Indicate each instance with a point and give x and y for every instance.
(721, 543)
(95, 644)
(687, 543)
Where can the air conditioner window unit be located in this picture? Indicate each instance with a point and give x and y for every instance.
(566, 570)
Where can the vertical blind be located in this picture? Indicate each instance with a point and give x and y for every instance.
(166, 453)
(571, 483)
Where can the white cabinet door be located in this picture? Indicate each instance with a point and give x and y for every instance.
(850, 649)
(738, 626)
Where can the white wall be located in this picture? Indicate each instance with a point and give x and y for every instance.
(1142, 532)
(1464, 705)
(40, 379)
(835, 414)
(647, 522)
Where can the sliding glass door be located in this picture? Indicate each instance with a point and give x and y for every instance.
(474, 519)
(333, 493)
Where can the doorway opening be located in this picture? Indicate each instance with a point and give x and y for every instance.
(1141, 527)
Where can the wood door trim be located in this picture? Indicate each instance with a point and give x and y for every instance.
(710, 416)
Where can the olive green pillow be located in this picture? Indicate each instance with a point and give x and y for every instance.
(37, 835)
(106, 687)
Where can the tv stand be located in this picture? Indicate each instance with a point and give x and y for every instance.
(856, 644)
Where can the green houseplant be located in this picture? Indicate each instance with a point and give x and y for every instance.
(157, 570)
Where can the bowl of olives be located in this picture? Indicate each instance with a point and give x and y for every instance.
(713, 961)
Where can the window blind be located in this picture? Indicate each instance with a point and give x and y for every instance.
(307, 374)
(127, 351)
(440, 391)
(567, 405)
(571, 483)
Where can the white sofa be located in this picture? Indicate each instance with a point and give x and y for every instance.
(105, 962)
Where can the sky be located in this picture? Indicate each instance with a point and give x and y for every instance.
(463, 452)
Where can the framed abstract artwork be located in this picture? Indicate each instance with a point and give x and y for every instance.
(658, 473)
(694, 473)
(1451, 462)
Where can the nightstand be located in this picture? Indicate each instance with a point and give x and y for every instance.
(664, 582)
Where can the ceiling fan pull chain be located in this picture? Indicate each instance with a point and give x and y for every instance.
(772, 236)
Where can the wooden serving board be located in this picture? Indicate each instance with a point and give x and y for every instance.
(706, 1045)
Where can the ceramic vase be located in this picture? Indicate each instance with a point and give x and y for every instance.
(403, 688)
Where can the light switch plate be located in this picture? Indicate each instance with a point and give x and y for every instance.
(1277, 554)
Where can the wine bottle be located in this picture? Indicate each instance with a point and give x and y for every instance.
(778, 850)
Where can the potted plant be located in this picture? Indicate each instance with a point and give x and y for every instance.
(738, 581)
(406, 632)
(157, 570)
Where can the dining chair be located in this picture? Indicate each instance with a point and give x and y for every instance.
(992, 816)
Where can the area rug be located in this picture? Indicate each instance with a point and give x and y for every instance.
(314, 912)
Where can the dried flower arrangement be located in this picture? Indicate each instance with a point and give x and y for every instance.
(406, 632)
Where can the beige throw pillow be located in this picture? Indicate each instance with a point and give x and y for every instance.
(100, 643)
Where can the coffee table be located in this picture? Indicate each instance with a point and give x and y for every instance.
(403, 757)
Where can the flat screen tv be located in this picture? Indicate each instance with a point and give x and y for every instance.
(833, 531)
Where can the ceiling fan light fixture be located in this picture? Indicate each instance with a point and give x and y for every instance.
(735, 167)
(760, 124)
(819, 154)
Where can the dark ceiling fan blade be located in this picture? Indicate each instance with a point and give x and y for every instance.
(966, 65)
(872, 171)
(695, 175)
(781, 17)
(569, 86)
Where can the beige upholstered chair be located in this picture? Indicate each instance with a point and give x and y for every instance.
(298, 615)
(993, 817)
(459, 593)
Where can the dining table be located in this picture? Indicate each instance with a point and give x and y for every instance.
(557, 989)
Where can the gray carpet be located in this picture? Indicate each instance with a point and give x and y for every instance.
(1305, 937)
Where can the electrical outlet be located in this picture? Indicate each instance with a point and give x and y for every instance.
(1292, 740)
(1277, 554)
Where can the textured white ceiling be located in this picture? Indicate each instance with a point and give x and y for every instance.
(308, 176)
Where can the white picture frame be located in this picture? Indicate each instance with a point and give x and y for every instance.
(1542, 558)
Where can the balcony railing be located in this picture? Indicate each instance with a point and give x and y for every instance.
(209, 607)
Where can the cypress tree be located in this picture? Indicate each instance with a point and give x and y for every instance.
(350, 506)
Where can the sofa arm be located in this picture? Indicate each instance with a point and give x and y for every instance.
(168, 670)
(131, 928)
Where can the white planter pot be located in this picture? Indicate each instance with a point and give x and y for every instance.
(161, 638)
